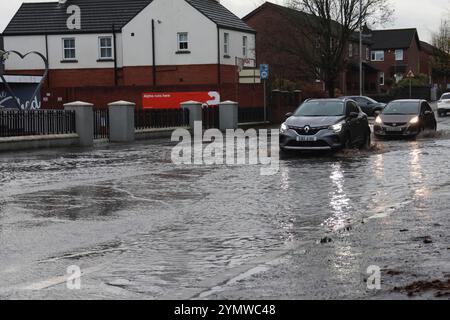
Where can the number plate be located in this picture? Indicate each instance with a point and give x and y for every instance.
(306, 139)
(394, 129)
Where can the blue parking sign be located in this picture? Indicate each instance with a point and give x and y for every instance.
(264, 70)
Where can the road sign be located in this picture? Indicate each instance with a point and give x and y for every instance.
(410, 74)
(264, 69)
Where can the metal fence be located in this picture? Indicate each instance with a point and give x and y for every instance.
(15, 123)
(161, 118)
(101, 124)
(248, 115)
(211, 117)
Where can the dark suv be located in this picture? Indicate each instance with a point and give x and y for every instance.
(368, 105)
(325, 124)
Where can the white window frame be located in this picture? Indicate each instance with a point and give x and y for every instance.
(397, 53)
(181, 41)
(74, 48)
(350, 50)
(374, 55)
(381, 75)
(100, 48)
(226, 44)
(245, 46)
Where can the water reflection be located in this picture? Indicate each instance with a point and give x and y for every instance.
(339, 201)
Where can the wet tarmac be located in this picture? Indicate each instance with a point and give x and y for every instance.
(140, 227)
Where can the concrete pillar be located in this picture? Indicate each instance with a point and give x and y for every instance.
(228, 111)
(121, 121)
(84, 121)
(195, 112)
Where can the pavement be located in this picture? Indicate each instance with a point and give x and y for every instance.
(139, 227)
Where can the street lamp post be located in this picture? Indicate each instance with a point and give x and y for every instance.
(360, 50)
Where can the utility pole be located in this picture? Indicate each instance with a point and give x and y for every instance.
(361, 84)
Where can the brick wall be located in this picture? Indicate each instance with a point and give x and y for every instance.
(139, 76)
(247, 95)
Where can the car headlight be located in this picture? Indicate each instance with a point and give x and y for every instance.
(378, 120)
(284, 128)
(337, 127)
(414, 120)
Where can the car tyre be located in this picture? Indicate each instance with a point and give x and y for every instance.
(367, 143)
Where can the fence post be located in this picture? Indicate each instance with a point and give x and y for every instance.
(84, 121)
(228, 115)
(195, 112)
(121, 121)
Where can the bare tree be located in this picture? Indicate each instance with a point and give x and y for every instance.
(441, 56)
(330, 26)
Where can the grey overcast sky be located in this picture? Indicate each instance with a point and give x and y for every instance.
(425, 15)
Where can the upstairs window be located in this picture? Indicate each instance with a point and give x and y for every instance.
(399, 55)
(105, 48)
(367, 54)
(244, 46)
(69, 51)
(183, 41)
(226, 44)
(350, 50)
(377, 55)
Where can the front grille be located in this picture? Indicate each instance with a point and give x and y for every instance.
(311, 132)
(308, 144)
(395, 124)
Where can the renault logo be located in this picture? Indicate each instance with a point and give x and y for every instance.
(307, 129)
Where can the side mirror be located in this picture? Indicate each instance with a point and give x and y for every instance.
(288, 115)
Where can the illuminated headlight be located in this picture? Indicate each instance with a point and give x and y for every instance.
(337, 127)
(284, 128)
(414, 120)
(378, 120)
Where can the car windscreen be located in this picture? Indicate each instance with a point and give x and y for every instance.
(320, 109)
(402, 108)
(445, 96)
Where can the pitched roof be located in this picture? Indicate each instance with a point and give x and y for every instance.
(393, 39)
(99, 16)
(96, 16)
(220, 15)
(298, 17)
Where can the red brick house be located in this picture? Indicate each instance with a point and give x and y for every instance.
(280, 34)
(395, 53)
(388, 55)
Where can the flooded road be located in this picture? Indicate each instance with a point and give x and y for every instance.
(140, 227)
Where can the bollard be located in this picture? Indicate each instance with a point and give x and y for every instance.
(84, 121)
(121, 121)
(195, 112)
(228, 115)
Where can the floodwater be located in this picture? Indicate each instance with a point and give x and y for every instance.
(140, 227)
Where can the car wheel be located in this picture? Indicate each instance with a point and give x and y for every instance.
(367, 142)
(348, 143)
